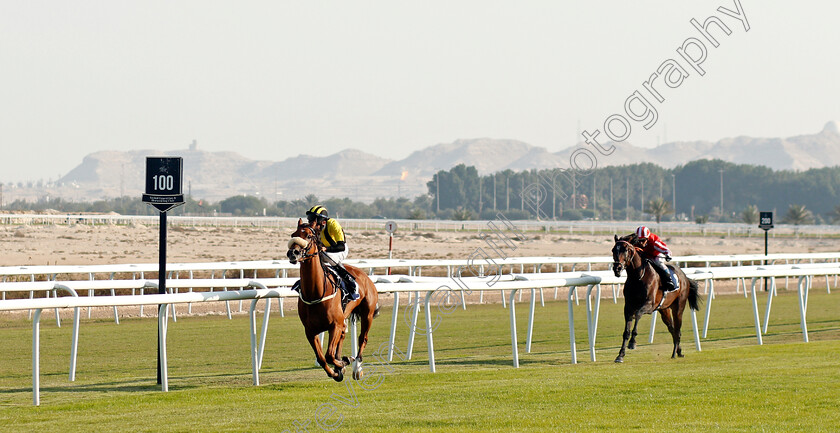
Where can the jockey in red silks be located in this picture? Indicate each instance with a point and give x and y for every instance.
(654, 250)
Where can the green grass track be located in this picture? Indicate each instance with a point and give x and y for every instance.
(732, 385)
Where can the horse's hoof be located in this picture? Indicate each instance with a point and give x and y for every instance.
(339, 375)
(346, 360)
(619, 360)
(631, 346)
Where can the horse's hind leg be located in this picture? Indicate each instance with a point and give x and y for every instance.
(678, 332)
(668, 320)
(366, 311)
(366, 322)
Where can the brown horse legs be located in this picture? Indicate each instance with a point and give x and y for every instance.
(366, 321)
(629, 335)
(324, 361)
(673, 321)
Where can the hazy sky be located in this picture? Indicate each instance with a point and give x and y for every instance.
(274, 79)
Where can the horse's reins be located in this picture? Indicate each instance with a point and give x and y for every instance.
(312, 238)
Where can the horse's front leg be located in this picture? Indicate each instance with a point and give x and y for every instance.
(333, 355)
(632, 344)
(628, 318)
(315, 342)
(340, 346)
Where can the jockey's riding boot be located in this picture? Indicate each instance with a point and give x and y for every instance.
(664, 276)
(352, 291)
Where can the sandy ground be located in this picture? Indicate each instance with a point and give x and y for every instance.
(104, 244)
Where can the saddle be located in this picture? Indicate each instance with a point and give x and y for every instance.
(339, 282)
(676, 282)
(671, 273)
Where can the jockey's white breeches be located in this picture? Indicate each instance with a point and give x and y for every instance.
(338, 257)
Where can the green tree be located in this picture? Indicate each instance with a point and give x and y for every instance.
(310, 200)
(834, 215)
(798, 215)
(750, 214)
(457, 187)
(417, 214)
(461, 214)
(242, 205)
(658, 207)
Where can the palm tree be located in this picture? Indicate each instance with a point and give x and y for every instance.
(798, 215)
(658, 207)
(750, 214)
(310, 200)
(462, 214)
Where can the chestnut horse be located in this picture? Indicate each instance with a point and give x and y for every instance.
(642, 294)
(320, 307)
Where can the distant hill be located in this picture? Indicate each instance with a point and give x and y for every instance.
(795, 153)
(493, 155)
(362, 176)
(218, 175)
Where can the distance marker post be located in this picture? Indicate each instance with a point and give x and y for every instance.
(164, 191)
(765, 222)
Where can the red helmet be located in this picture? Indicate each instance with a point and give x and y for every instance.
(642, 232)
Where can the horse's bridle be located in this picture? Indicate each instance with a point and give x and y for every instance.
(617, 266)
(311, 239)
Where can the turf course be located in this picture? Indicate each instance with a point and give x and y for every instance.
(732, 385)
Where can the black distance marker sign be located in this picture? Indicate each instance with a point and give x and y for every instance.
(765, 220)
(164, 182)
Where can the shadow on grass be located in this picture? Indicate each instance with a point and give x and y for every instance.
(117, 386)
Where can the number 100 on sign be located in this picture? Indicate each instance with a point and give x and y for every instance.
(163, 182)
(163, 175)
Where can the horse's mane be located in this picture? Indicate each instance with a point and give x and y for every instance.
(631, 238)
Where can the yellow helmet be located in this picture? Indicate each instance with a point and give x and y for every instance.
(317, 212)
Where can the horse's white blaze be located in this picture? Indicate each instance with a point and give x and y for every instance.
(297, 241)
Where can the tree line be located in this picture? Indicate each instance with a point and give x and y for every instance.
(700, 191)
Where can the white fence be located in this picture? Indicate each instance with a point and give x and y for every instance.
(413, 285)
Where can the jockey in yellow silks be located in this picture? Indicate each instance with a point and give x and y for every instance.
(334, 245)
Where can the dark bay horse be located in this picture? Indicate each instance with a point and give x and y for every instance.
(643, 296)
(320, 308)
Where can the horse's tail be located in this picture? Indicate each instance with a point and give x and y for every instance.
(694, 298)
(376, 311)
